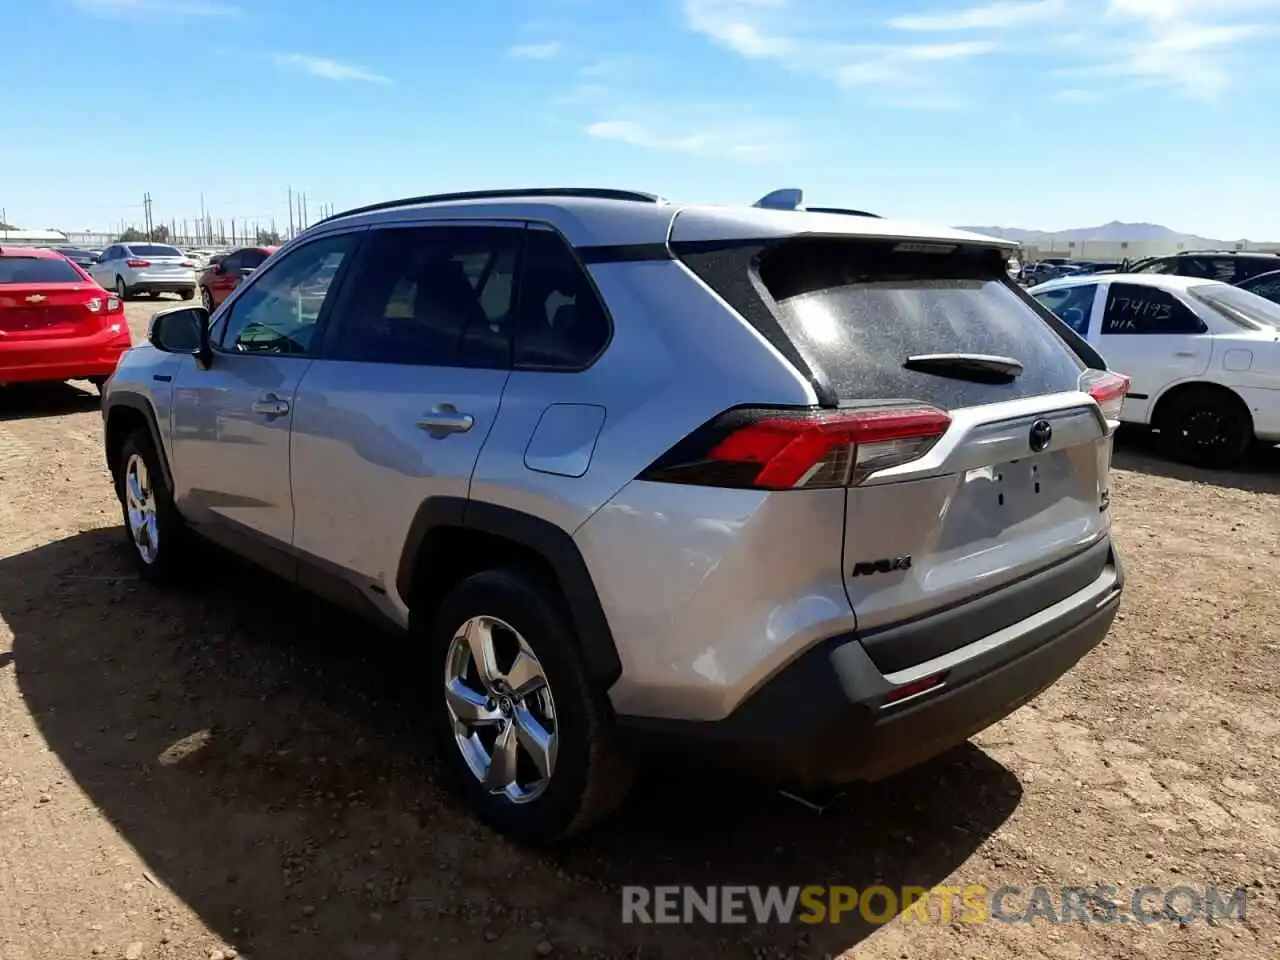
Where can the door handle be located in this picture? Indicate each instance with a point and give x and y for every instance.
(1184, 353)
(445, 419)
(271, 406)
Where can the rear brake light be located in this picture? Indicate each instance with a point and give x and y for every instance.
(94, 304)
(786, 450)
(1108, 389)
(113, 304)
(136, 264)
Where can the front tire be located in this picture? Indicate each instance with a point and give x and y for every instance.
(524, 735)
(153, 528)
(206, 298)
(1206, 427)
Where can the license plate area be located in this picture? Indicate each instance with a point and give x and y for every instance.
(1017, 490)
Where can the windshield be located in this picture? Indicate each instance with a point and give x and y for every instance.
(37, 270)
(1240, 306)
(154, 250)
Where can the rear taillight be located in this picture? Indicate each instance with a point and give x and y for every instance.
(787, 450)
(187, 264)
(94, 304)
(137, 264)
(1108, 389)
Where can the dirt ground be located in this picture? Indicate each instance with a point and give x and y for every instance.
(240, 769)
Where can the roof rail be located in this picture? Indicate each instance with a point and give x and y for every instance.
(588, 193)
(1220, 250)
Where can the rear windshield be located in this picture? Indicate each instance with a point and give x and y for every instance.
(38, 270)
(1240, 306)
(154, 250)
(859, 310)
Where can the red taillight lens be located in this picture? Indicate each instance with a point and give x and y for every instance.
(1108, 389)
(786, 450)
(94, 304)
(137, 264)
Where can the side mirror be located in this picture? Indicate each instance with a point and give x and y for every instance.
(182, 330)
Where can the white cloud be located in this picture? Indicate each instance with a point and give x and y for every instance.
(1002, 14)
(325, 68)
(696, 134)
(810, 38)
(154, 9)
(1195, 48)
(538, 51)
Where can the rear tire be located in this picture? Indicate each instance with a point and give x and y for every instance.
(1206, 427)
(157, 537)
(121, 290)
(187, 293)
(530, 636)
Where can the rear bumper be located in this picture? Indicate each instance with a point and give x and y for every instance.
(61, 359)
(161, 284)
(827, 718)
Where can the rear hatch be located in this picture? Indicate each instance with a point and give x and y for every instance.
(43, 298)
(976, 456)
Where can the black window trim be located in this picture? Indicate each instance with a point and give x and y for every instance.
(227, 310)
(330, 331)
(1103, 332)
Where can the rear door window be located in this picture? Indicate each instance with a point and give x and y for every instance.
(860, 310)
(1133, 309)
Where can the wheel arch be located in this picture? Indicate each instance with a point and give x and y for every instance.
(1163, 401)
(473, 536)
(124, 413)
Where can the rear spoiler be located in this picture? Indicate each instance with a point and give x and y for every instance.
(792, 198)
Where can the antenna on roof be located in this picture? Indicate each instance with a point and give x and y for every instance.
(788, 198)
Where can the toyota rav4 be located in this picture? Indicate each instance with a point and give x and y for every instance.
(817, 495)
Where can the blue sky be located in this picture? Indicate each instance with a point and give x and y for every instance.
(1044, 114)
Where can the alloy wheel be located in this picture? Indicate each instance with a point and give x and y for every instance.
(501, 708)
(140, 503)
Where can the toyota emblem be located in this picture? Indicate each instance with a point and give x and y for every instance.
(1041, 434)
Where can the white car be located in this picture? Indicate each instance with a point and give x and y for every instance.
(154, 268)
(1203, 356)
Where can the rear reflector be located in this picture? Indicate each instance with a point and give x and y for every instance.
(1108, 389)
(787, 450)
(914, 688)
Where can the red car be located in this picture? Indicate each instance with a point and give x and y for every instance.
(225, 273)
(56, 323)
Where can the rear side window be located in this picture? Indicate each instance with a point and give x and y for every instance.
(859, 311)
(562, 325)
(37, 270)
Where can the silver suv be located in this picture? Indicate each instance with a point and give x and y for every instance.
(817, 495)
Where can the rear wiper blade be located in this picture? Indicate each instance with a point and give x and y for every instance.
(967, 366)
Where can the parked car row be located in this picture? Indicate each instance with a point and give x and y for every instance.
(1203, 355)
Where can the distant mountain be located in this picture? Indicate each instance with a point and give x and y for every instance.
(1113, 232)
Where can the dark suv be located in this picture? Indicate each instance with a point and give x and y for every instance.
(1229, 266)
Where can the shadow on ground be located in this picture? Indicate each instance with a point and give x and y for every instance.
(1139, 449)
(22, 401)
(260, 751)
